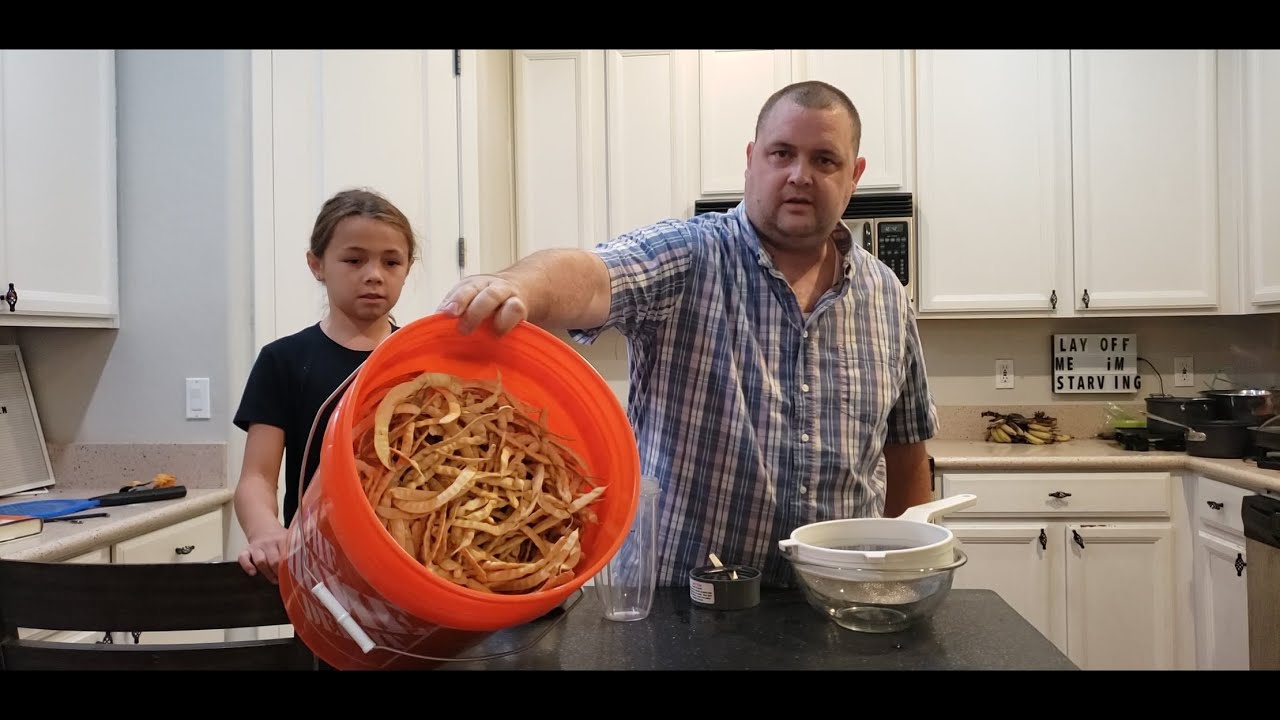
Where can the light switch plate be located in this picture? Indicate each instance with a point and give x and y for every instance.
(197, 398)
(1184, 374)
(1004, 374)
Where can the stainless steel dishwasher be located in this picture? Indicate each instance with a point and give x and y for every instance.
(1261, 515)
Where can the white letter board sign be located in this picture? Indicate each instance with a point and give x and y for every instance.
(1096, 364)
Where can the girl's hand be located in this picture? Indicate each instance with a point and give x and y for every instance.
(265, 552)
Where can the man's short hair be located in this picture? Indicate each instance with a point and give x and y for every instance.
(815, 95)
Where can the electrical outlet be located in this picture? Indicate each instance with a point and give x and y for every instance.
(197, 398)
(1184, 374)
(1004, 374)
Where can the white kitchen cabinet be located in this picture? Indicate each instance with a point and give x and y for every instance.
(1087, 558)
(1220, 581)
(879, 84)
(994, 179)
(651, 122)
(1260, 250)
(734, 84)
(58, 245)
(610, 140)
(1144, 143)
(1060, 183)
(575, 108)
(336, 119)
(559, 149)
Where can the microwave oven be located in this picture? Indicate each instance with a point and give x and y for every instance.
(883, 223)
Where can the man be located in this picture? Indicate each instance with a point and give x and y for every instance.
(773, 361)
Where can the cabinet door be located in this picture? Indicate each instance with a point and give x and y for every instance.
(384, 119)
(1120, 595)
(651, 120)
(1261, 251)
(877, 83)
(1020, 563)
(58, 195)
(733, 85)
(1222, 604)
(994, 184)
(1144, 142)
(559, 149)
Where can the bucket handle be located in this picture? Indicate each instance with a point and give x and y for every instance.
(367, 644)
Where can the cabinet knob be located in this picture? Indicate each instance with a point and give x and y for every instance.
(1076, 536)
(1059, 494)
(1240, 564)
(1214, 505)
(1085, 297)
(185, 549)
(1044, 540)
(11, 297)
(1053, 299)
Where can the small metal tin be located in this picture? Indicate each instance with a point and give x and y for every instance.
(714, 587)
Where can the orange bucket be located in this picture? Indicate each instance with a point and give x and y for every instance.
(354, 595)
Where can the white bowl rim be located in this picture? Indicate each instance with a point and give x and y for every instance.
(795, 548)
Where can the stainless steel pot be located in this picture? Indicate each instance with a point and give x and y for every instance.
(1250, 404)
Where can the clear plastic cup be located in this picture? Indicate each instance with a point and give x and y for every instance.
(625, 585)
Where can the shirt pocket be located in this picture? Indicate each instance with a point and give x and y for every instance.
(869, 383)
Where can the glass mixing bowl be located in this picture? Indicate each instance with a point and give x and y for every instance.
(875, 600)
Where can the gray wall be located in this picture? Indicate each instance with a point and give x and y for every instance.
(184, 212)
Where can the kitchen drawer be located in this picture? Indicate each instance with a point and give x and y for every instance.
(1146, 494)
(1218, 505)
(198, 539)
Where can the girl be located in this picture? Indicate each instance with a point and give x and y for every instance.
(361, 249)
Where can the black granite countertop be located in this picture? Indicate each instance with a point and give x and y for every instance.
(970, 630)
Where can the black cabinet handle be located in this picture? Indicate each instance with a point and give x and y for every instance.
(185, 549)
(1240, 564)
(1053, 299)
(1044, 540)
(1214, 505)
(1076, 536)
(1059, 494)
(1085, 298)
(11, 297)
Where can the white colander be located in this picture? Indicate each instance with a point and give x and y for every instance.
(910, 541)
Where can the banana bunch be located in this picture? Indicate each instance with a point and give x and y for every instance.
(1041, 429)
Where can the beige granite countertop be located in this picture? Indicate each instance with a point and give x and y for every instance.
(62, 540)
(1093, 455)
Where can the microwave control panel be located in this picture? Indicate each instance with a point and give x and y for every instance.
(893, 247)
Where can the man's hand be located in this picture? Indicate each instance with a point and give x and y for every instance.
(483, 296)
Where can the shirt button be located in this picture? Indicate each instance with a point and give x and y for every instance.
(803, 490)
(804, 437)
(805, 387)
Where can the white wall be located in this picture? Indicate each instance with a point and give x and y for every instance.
(184, 213)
